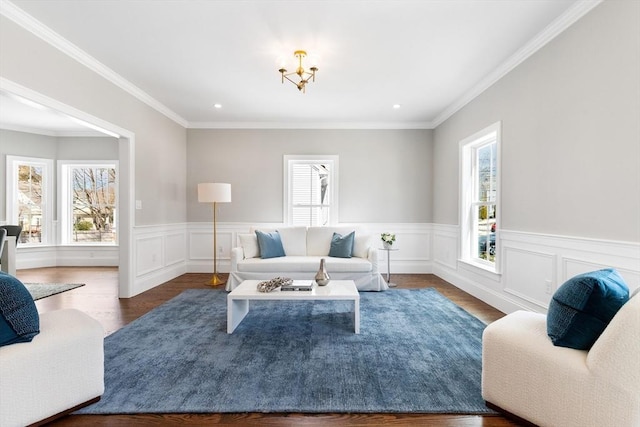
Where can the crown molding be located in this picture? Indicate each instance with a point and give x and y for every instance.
(569, 17)
(45, 33)
(52, 133)
(310, 125)
(564, 21)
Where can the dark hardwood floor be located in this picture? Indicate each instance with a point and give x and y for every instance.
(99, 299)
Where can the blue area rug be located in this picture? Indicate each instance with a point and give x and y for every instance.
(417, 352)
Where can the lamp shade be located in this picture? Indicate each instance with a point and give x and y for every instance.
(211, 192)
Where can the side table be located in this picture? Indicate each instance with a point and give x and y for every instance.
(389, 250)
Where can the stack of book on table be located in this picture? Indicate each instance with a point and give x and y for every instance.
(298, 285)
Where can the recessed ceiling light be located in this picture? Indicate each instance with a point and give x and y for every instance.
(396, 106)
(217, 105)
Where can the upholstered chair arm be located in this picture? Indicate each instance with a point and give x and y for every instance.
(237, 254)
(373, 259)
(615, 356)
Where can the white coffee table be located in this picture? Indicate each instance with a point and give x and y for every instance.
(239, 299)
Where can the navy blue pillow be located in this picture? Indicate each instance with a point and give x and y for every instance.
(583, 306)
(342, 246)
(19, 320)
(270, 244)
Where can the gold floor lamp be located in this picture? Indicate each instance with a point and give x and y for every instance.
(214, 193)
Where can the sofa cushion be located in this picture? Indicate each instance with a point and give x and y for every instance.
(294, 240)
(304, 264)
(19, 320)
(342, 246)
(270, 244)
(583, 306)
(249, 243)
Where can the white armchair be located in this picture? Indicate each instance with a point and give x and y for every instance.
(525, 375)
(59, 371)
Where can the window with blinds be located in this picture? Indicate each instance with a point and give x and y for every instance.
(310, 197)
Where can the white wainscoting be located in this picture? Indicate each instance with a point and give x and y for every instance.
(413, 242)
(159, 254)
(66, 256)
(533, 266)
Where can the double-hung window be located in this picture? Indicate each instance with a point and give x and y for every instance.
(480, 191)
(29, 198)
(310, 193)
(88, 202)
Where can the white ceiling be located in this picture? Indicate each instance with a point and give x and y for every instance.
(431, 57)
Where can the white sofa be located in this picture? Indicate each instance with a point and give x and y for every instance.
(304, 247)
(60, 370)
(524, 374)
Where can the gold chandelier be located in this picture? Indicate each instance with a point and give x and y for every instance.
(303, 75)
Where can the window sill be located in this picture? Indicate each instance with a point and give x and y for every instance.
(482, 269)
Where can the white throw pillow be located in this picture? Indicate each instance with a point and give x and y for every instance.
(361, 245)
(294, 240)
(249, 243)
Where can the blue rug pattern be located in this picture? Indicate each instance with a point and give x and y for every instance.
(417, 353)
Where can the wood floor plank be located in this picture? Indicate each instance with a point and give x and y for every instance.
(99, 299)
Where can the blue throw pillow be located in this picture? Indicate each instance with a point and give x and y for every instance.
(270, 244)
(583, 306)
(342, 246)
(19, 320)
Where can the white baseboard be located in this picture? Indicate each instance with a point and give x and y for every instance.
(66, 256)
(151, 280)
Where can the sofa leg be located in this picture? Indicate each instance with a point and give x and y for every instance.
(64, 413)
(509, 415)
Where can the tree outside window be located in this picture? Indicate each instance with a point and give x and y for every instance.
(94, 204)
(30, 202)
(28, 198)
(89, 203)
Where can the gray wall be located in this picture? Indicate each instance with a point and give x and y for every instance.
(385, 175)
(571, 133)
(54, 148)
(160, 143)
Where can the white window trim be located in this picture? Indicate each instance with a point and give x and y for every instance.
(12, 162)
(467, 146)
(332, 161)
(64, 213)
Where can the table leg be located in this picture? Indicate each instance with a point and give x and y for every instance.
(356, 315)
(391, 285)
(237, 309)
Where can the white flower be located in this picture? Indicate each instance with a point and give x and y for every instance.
(388, 238)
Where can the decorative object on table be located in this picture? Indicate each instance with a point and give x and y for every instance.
(322, 277)
(303, 75)
(276, 338)
(273, 284)
(214, 193)
(43, 290)
(387, 239)
(298, 285)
